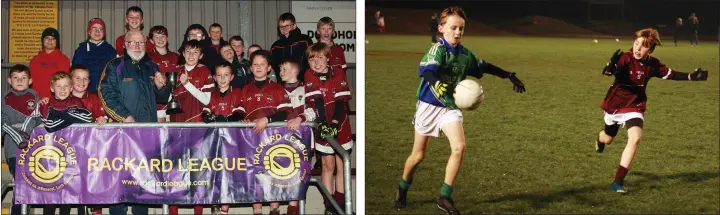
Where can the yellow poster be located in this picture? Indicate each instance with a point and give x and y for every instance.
(27, 21)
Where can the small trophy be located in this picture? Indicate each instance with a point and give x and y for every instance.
(174, 106)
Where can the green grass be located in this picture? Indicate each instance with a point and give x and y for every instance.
(533, 152)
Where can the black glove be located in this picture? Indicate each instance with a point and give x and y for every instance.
(611, 67)
(700, 74)
(334, 130)
(323, 129)
(208, 117)
(518, 86)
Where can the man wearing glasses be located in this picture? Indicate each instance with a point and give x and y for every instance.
(292, 44)
(130, 86)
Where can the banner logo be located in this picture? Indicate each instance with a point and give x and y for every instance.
(282, 170)
(279, 156)
(51, 162)
(47, 164)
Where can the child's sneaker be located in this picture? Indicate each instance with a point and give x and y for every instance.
(618, 188)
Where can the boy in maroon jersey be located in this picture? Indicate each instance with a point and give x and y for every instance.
(63, 109)
(81, 77)
(163, 57)
(224, 106)
(625, 101)
(19, 116)
(325, 34)
(327, 92)
(195, 84)
(263, 102)
(224, 103)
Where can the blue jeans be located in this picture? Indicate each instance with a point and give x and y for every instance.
(121, 209)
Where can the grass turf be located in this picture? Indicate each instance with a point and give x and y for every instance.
(533, 152)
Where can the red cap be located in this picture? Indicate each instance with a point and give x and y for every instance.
(94, 21)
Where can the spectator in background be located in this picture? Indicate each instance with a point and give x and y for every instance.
(381, 22)
(48, 61)
(434, 27)
(243, 73)
(694, 27)
(94, 53)
(678, 29)
(292, 44)
(240, 73)
(216, 40)
(253, 48)
(210, 56)
(133, 21)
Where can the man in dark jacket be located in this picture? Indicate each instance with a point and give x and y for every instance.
(292, 44)
(131, 85)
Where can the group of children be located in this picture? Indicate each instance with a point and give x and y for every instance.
(216, 84)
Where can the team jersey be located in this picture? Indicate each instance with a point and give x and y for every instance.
(24, 103)
(450, 65)
(257, 102)
(296, 93)
(92, 104)
(627, 93)
(68, 111)
(335, 88)
(337, 57)
(200, 78)
(224, 103)
(167, 62)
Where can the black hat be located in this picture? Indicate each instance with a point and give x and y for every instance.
(50, 32)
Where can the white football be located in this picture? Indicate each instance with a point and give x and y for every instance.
(468, 95)
(595, 41)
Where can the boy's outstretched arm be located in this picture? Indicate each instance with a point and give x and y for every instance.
(485, 67)
(699, 74)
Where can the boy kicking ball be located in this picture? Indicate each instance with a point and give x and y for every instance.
(625, 101)
(446, 64)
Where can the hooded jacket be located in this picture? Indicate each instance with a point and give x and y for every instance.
(43, 66)
(241, 70)
(293, 46)
(94, 57)
(210, 55)
(126, 89)
(218, 46)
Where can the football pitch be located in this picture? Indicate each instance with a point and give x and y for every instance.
(533, 152)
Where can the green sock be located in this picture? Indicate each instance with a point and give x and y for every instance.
(446, 190)
(404, 184)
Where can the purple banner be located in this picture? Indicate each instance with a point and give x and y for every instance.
(163, 166)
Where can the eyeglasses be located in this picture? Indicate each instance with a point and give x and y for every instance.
(135, 43)
(98, 29)
(285, 27)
